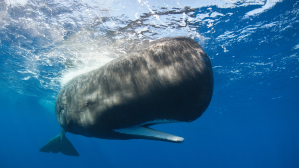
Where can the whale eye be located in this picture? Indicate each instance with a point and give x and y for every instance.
(86, 103)
(61, 108)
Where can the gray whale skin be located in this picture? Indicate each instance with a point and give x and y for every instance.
(168, 80)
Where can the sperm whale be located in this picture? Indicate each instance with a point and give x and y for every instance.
(168, 80)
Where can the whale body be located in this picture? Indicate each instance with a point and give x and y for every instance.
(168, 80)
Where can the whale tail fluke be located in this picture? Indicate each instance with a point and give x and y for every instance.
(60, 144)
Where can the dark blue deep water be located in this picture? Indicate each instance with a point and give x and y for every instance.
(252, 120)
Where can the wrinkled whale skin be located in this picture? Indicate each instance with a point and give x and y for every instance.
(169, 80)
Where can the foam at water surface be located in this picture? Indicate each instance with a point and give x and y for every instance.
(52, 42)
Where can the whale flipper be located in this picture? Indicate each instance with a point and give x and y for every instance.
(60, 144)
(149, 133)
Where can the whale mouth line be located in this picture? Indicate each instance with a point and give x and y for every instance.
(145, 132)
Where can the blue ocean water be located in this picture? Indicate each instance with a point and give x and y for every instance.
(252, 120)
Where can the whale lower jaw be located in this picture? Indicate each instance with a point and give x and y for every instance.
(142, 132)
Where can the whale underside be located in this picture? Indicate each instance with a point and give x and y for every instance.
(168, 80)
